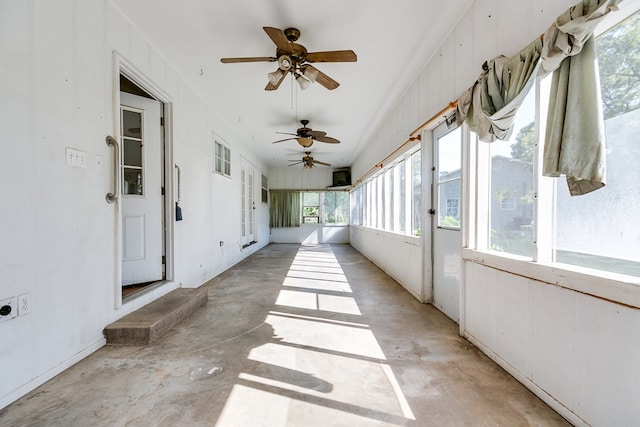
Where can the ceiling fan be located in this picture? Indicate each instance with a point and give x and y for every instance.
(305, 136)
(293, 58)
(308, 161)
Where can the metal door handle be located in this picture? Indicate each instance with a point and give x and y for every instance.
(111, 142)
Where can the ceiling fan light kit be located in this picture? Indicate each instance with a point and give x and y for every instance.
(305, 136)
(302, 82)
(275, 77)
(294, 58)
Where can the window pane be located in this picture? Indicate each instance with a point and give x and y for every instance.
(449, 161)
(512, 193)
(400, 180)
(310, 199)
(416, 187)
(131, 124)
(132, 153)
(602, 229)
(132, 182)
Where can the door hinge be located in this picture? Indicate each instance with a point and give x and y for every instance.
(164, 259)
(161, 121)
(162, 191)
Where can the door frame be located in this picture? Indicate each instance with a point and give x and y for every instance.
(122, 66)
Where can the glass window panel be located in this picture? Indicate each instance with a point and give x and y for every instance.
(311, 199)
(402, 197)
(132, 153)
(132, 124)
(132, 182)
(601, 229)
(449, 152)
(416, 187)
(512, 192)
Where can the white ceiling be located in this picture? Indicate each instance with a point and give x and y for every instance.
(393, 42)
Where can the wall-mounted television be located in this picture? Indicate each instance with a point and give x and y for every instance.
(341, 177)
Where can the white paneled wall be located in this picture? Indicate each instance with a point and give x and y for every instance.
(576, 351)
(398, 256)
(57, 230)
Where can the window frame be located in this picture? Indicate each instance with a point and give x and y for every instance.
(221, 157)
(607, 285)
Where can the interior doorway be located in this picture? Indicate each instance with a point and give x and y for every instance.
(143, 211)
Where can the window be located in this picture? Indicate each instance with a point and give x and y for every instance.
(336, 207)
(132, 151)
(392, 199)
(265, 189)
(449, 161)
(330, 207)
(511, 180)
(453, 208)
(222, 158)
(310, 208)
(601, 229)
(416, 191)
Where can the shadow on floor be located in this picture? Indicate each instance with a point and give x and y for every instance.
(292, 336)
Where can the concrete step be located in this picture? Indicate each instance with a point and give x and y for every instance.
(153, 320)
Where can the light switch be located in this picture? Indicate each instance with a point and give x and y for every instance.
(76, 158)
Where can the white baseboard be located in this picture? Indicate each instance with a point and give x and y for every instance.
(16, 394)
(557, 406)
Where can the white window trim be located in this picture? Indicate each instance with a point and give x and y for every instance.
(612, 287)
(217, 140)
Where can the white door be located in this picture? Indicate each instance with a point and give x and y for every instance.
(142, 199)
(248, 204)
(446, 212)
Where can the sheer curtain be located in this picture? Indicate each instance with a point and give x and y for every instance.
(574, 139)
(284, 209)
(489, 107)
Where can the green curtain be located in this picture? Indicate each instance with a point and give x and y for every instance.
(284, 209)
(489, 107)
(574, 140)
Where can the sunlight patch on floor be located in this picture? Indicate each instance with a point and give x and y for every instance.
(322, 367)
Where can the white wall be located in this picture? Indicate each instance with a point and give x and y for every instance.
(576, 351)
(57, 230)
(397, 255)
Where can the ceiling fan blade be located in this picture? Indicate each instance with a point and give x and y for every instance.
(332, 56)
(248, 59)
(281, 140)
(327, 139)
(316, 133)
(321, 163)
(287, 133)
(278, 37)
(324, 80)
(296, 163)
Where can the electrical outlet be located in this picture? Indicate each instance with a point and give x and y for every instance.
(24, 304)
(8, 309)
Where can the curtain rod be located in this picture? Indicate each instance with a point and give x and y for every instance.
(412, 137)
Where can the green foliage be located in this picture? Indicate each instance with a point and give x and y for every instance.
(525, 144)
(619, 61)
(450, 221)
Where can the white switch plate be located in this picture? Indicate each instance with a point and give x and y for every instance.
(24, 304)
(76, 158)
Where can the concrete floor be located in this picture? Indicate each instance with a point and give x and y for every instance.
(292, 336)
